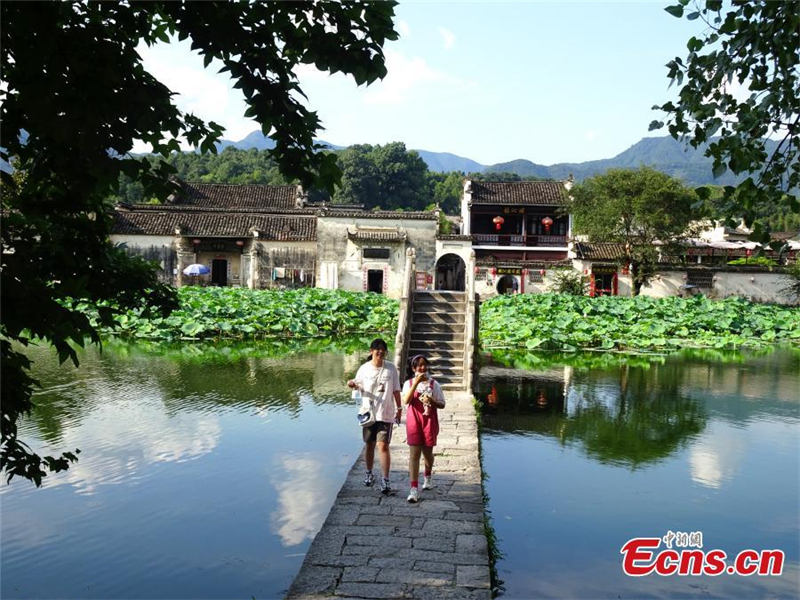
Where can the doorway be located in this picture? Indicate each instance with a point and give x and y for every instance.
(375, 281)
(507, 284)
(219, 272)
(603, 281)
(450, 270)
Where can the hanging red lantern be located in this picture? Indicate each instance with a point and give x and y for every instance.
(498, 221)
(240, 243)
(547, 222)
(494, 271)
(196, 242)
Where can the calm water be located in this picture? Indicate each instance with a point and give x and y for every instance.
(581, 460)
(195, 480)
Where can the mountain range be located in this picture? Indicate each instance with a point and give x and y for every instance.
(662, 153)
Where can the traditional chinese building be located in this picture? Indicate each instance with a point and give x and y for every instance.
(267, 236)
(518, 231)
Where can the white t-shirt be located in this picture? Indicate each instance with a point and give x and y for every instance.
(423, 386)
(378, 385)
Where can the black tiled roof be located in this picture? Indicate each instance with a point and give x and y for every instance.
(218, 195)
(199, 209)
(600, 251)
(215, 224)
(377, 236)
(541, 193)
(378, 214)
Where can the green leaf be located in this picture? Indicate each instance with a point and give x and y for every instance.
(675, 11)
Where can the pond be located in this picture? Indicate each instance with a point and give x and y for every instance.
(580, 459)
(198, 477)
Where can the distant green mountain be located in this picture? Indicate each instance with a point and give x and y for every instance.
(444, 162)
(662, 153)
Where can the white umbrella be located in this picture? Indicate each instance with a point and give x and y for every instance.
(196, 269)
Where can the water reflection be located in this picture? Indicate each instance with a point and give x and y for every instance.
(301, 509)
(632, 416)
(606, 450)
(202, 473)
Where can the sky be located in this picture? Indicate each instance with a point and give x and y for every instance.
(549, 82)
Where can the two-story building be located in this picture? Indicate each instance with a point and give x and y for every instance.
(518, 231)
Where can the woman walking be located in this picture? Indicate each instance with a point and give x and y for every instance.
(424, 397)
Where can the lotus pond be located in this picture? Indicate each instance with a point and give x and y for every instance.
(586, 451)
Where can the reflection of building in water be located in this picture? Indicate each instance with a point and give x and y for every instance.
(518, 391)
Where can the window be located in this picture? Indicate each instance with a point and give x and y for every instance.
(376, 253)
(701, 278)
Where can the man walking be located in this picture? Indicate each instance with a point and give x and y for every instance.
(379, 384)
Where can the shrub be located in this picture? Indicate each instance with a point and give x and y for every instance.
(569, 281)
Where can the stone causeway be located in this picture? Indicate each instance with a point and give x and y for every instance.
(376, 546)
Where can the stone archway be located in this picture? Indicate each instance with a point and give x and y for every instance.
(450, 273)
(507, 284)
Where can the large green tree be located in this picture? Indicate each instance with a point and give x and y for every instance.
(75, 96)
(386, 176)
(739, 84)
(636, 208)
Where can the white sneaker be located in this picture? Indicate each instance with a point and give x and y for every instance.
(413, 496)
(427, 483)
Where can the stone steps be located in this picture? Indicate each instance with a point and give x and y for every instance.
(437, 331)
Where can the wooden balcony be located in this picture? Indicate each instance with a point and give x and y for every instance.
(529, 241)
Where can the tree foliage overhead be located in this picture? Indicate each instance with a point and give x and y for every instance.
(74, 96)
(750, 48)
(636, 208)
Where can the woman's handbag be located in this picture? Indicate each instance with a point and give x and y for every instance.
(365, 419)
(366, 415)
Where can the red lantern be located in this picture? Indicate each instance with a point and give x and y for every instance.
(196, 242)
(498, 221)
(494, 271)
(240, 243)
(547, 222)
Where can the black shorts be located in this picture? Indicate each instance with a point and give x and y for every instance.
(380, 431)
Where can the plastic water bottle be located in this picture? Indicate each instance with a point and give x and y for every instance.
(356, 395)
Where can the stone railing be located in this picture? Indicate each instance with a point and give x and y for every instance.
(405, 312)
(470, 322)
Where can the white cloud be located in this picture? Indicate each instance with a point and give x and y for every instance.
(302, 506)
(201, 91)
(120, 439)
(717, 456)
(448, 37)
(405, 76)
(402, 28)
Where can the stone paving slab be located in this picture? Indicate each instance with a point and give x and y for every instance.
(375, 546)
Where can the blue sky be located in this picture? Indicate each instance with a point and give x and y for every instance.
(492, 81)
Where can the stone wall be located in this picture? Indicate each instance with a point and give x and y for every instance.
(153, 247)
(341, 260)
(286, 266)
(758, 286)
